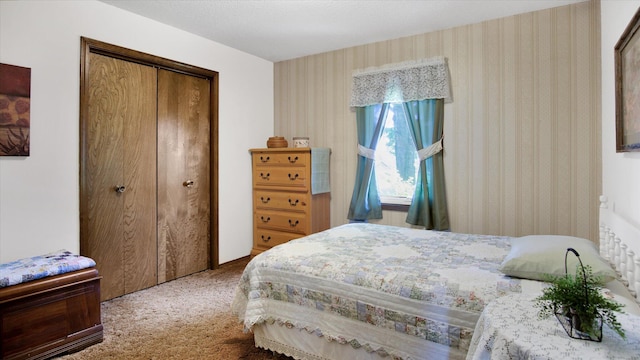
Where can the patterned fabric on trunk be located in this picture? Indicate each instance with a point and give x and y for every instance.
(37, 267)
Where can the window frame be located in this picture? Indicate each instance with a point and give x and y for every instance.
(394, 206)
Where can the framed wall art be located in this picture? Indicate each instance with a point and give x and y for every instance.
(627, 72)
(15, 110)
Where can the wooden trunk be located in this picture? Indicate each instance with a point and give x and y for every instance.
(57, 314)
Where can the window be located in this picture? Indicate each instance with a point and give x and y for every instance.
(418, 89)
(397, 160)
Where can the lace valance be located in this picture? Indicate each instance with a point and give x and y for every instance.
(407, 81)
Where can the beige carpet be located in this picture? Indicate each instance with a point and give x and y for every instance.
(188, 318)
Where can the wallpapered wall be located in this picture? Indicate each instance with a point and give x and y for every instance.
(522, 135)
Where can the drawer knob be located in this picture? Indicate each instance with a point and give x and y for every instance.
(293, 223)
(295, 176)
(265, 177)
(265, 159)
(293, 161)
(120, 189)
(265, 240)
(265, 201)
(265, 220)
(188, 183)
(294, 203)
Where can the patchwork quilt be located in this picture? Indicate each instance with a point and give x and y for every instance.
(370, 286)
(37, 267)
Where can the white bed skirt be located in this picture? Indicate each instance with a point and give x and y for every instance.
(303, 346)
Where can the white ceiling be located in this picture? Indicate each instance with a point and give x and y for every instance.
(278, 30)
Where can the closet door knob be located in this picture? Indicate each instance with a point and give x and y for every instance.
(120, 189)
(188, 183)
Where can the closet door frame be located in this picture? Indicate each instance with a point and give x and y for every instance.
(88, 46)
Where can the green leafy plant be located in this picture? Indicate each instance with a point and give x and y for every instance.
(579, 297)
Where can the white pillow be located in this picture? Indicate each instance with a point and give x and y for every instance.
(533, 256)
(619, 293)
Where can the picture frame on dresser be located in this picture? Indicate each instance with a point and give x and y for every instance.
(627, 79)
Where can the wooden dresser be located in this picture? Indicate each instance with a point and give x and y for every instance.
(284, 207)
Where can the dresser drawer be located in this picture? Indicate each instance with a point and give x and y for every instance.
(289, 201)
(266, 239)
(281, 220)
(289, 159)
(282, 177)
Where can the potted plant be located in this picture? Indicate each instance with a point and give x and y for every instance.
(578, 303)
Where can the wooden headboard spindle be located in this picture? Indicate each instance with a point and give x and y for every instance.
(615, 248)
(631, 274)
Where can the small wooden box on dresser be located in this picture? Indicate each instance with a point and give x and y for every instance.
(284, 207)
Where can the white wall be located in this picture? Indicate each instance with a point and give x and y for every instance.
(621, 171)
(39, 194)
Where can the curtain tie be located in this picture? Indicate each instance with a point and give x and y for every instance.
(366, 152)
(430, 150)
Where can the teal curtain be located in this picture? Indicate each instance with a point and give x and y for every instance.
(429, 204)
(365, 201)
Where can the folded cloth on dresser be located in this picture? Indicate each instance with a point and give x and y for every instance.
(320, 170)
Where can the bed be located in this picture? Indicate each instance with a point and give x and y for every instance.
(366, 291)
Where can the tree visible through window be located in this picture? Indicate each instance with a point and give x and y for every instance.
(397, 160)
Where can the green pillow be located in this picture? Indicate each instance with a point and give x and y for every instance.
(533, 256)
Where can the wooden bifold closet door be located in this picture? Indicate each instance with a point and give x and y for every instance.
(120, 173)
(183, 168)
(145, 172)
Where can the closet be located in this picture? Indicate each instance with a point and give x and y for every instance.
(148, 179)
